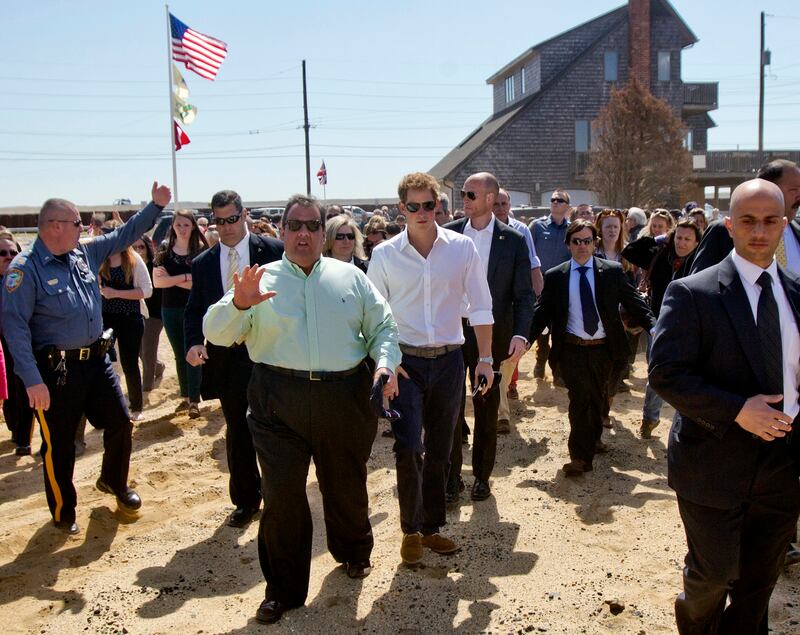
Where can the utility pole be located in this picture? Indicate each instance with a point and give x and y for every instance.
(306, 126)
(763, 60)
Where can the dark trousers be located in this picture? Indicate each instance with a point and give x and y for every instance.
(737, 553)
(128, 331)
(484, 443)
(149, 351)
(585, 370)
(188, 376)
(92, 388)
(292, 421)
(428, 410)
(245, 482)
(16, 408)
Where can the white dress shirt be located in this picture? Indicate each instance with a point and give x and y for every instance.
(242, 248)
(792, 250)
(426, 294)
(575, 315)
(522, 228)
(483, 241)
(790, 336)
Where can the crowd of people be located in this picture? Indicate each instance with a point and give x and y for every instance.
(310, 340)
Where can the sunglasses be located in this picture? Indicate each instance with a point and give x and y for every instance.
(581, 241)
(6, 254)
(230, 220)
(470, 195)
(428, 206)
(557, 200)
(74, 223)
(345, 236)
(310, 225)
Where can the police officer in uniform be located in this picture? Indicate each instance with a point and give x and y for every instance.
(52, 322)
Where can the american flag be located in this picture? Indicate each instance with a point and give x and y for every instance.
(322, 174)
(199, 53)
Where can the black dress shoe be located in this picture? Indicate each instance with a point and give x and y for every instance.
(454, 488)
(360, 569)
(129, 500)
(67, 526)
(242, 516)
(480, 490)
(270, 611)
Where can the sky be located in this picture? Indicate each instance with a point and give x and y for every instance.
(392, 87)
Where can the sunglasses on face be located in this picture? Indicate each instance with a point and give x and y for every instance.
(74, 223)
(428, 206)
(230, 220)
(557, 200)
(10, 253)
(581, 241)
(345, 236)
(470, 195)
(310, 225)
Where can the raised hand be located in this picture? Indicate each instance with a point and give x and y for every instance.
(161, 194)
(247, 288)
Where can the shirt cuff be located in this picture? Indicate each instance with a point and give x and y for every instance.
(521, 337)
(481, 318)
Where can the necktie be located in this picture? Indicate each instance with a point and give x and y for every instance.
(233, 267)
(769, 333)
(590, 317)
(780, 253)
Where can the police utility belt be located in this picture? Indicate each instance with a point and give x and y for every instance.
(55, 359)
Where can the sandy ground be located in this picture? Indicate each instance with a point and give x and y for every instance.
(544, 554)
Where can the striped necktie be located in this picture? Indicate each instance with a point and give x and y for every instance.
(233, 267)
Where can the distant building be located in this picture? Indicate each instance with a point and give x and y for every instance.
(547, 100)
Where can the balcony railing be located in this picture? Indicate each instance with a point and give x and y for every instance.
(739, 161)
(700, 96)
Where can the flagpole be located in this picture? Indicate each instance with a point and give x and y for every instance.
(171, 111)
(305, 127)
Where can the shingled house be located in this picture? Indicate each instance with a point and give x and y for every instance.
(546, 100)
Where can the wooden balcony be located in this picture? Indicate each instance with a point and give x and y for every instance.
(700, 97)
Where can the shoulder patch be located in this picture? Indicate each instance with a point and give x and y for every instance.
(14, 277)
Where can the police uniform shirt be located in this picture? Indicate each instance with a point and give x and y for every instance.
(53, 300)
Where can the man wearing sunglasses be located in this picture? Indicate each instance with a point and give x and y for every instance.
(506, 265)
(226, 370)
(426, 273)
(549, 239)
(580, 306)
(309, 324)
(53, 324)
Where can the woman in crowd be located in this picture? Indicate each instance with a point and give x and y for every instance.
(264, 227)
(635, 220)
(16, 407)
(124, 282)
(344, 241)
(698, 215)
(374, 233)
(660, 223)
(662, 259)
(152, 367)
(173, 274)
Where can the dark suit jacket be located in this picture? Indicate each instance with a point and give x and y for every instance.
(206, 290)
(611, 288)
(706, 361)
(717, 243)
(509, 277)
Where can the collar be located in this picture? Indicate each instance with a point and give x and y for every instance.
(573, 265)
(441, 234)
(552, 220)
(488, 229)
(297, 270)
(238, 246)
(751, 272)
(45, 255)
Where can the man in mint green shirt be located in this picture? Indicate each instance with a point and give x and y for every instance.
(309, 324)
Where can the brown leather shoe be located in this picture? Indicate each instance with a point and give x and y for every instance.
(576, 467)
(503, 426)
(270, 611)
(411, 549)
(647, 427)
(439, 544)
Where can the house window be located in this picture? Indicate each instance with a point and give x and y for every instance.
(688, 141)
(664, 61)
(582, 137)
(509, 89)
(522, 81)
(610, 63)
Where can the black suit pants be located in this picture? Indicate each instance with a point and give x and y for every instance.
(292, 421)
(244, 485)
(737, 553)
(485, 407)
(585, 370)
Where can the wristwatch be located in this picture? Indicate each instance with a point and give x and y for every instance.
(486, 360)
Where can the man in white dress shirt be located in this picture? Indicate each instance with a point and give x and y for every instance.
(425, 273)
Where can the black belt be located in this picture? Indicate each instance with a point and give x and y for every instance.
(93, 351)
(314, 375)
(569, 338)
(428, 352)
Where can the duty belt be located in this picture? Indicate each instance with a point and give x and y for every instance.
(428, 352)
